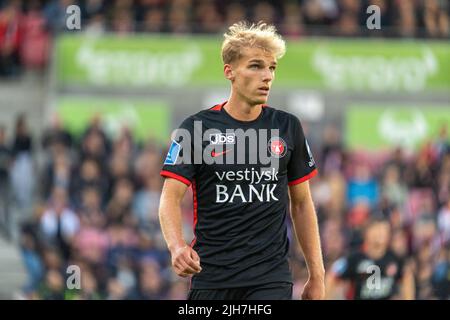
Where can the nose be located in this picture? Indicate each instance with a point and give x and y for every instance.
(268, 75)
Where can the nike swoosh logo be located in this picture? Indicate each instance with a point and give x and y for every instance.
(214, 154)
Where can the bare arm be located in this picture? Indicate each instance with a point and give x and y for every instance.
(407, 283)
(307, 233)
(185, 261)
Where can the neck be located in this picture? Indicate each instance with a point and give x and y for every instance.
(242, 110)
(374, 252)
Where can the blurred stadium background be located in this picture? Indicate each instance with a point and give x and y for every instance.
(86, 116)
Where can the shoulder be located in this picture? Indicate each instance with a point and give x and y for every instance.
(284, 118)
(188, 122)
(281, 114)
(196, 120)
(206, 113)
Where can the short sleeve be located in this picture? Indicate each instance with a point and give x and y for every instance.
(301, 165)
(178, 163)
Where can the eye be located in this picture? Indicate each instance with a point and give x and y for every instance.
(272, 68)
(254, 66)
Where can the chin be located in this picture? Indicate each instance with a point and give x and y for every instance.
(259, 101)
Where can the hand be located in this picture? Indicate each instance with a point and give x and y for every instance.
(185, 261)
(314, 289)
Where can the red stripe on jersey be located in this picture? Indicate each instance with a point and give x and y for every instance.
(218, 107)
(302, 179)
(194, 194)
(169, 174)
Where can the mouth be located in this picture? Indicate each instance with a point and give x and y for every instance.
(264, 90)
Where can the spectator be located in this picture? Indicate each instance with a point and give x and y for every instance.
(443, 221)
(22, 177)
(31, 251)
(116, 290)
(92, 8)
(153, 21)
(59, 224)
(94, 141)
(394, 190)
(441, 275)
(22, 140)
(56, 134)
(5, 162)
(55, 14)
(292, 26)
(122, 22)
(436, 18)
(35, 46)
(146, 203)
(58, 172)
(91, 241)
(234, 12)
(407, 23)
(10, 38)
(89, 287)
(150, 282)
(88, 175)
(119, 209)
(362, 186)
(264, 11)
(53, 287)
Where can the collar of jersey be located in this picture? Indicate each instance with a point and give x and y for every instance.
(222, 109)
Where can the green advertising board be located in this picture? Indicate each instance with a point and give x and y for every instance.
(371, 127)
(353, 65)
(147, 119)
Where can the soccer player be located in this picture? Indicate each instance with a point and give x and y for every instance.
(240, 250)
(373, 271)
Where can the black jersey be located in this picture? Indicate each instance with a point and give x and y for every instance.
(370, 279)
(240, 200)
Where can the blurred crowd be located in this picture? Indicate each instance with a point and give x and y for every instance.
(94, 202)
(27, 27)
(411, 189)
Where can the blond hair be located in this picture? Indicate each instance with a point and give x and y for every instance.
(244, 35)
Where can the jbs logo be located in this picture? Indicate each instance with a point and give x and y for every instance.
(222, 138)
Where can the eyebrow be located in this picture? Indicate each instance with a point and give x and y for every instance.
(261, 61)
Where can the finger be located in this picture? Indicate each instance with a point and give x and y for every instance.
(187, 268)
(179, 271)
(195, 265)
(195, 256)
(177, 268)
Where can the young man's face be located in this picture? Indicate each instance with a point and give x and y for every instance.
(378, 235)
(252, 75)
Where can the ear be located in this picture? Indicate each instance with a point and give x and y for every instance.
(228, 72)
